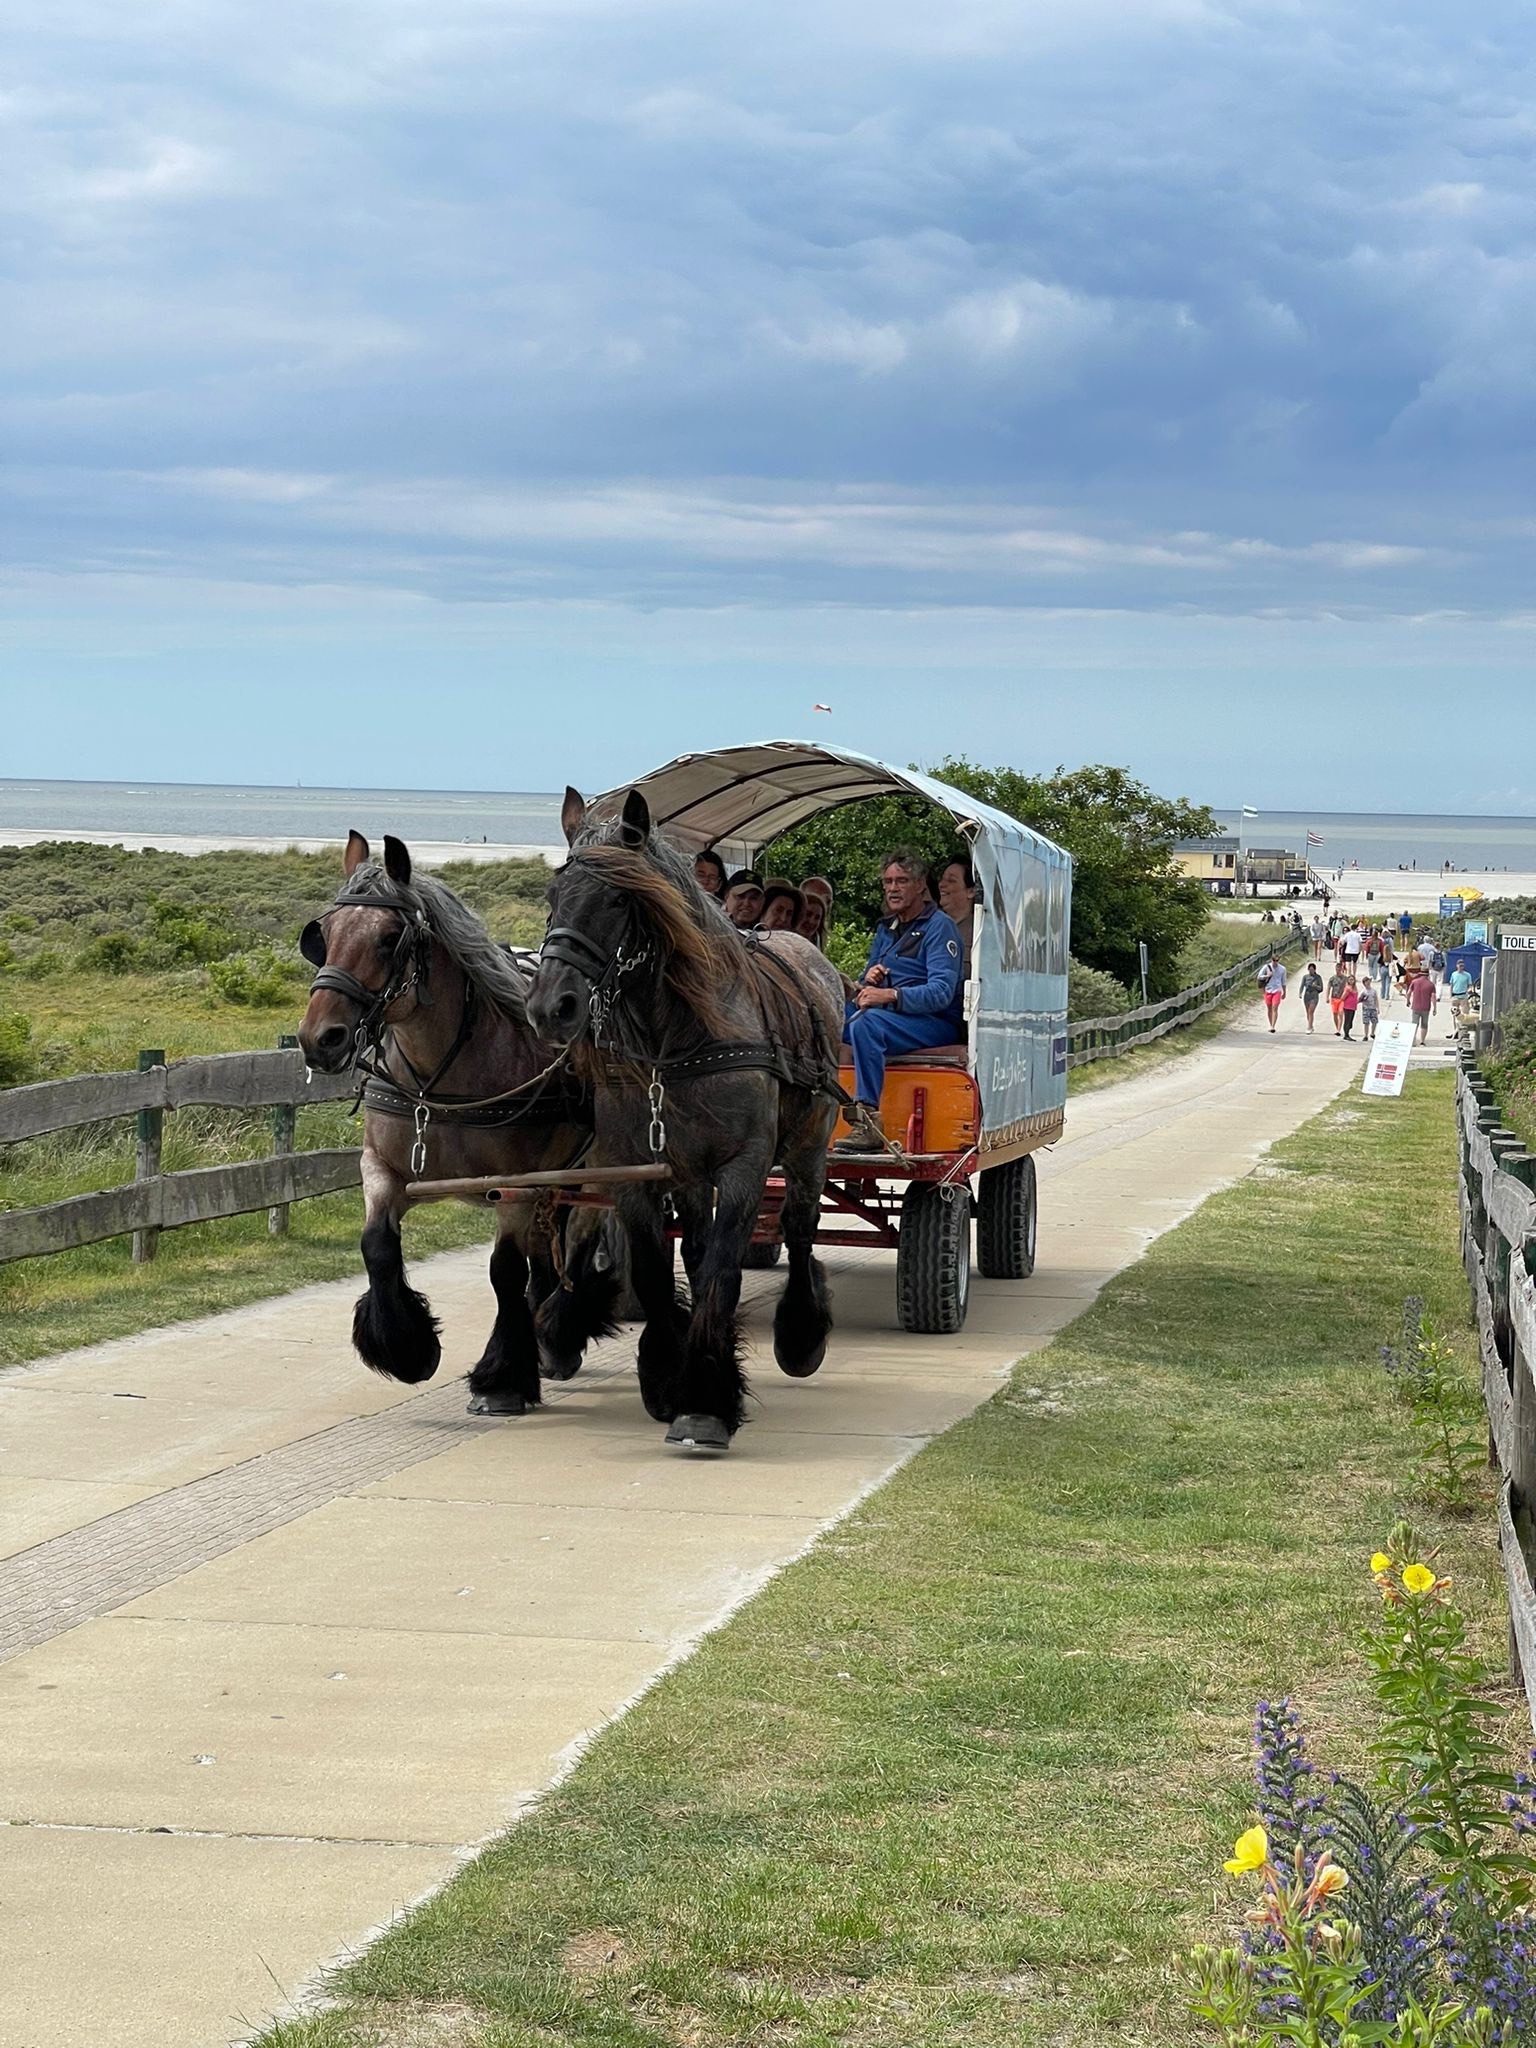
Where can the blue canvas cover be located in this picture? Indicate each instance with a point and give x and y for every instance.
(1471, 957)
(737, 799)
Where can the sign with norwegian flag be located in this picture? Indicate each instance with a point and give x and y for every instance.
(1387, 1067)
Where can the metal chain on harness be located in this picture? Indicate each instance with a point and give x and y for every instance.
(656, 1094)
(421, 1119)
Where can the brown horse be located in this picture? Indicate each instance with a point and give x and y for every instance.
(413, 993)
(717, 1052)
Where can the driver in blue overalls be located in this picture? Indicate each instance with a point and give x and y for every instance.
(910, 994)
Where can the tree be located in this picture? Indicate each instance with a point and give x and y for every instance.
(1120, 834)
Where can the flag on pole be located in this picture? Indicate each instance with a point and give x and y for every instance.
(821, 707)
(1249, 811)
(1314, 838)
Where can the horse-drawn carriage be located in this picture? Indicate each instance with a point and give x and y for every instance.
(651, 1043)
(976, 1110)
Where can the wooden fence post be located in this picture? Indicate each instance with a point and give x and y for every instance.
(285, 1118)
(146, 1157)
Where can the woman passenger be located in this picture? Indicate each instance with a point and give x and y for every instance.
(709, 873)
(953, 883)
(783, 906)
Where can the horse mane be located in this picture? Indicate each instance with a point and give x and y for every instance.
(493, 971)
(702, 954)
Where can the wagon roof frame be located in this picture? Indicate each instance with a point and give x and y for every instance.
(743, 797)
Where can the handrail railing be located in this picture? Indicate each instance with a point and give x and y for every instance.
(1102, 1038)
(1498, 1247)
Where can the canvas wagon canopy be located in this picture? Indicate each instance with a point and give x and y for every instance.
(738, 799)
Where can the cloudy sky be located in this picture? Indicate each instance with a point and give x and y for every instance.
(502, 391)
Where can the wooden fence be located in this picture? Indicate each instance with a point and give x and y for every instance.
(1104, 1038)
(1497, 1187)
(154, 1201)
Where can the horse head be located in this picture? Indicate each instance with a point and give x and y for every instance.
(373, 954)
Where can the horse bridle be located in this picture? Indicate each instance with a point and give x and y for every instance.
(604, 975)
(409, 967)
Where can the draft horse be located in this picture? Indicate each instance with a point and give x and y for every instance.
(715, 1051)
(413, 994)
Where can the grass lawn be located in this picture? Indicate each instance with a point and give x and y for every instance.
(966, 1772)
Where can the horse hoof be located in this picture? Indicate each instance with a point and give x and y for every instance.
(699, 1433)
(498, 1404)
(802, 1368)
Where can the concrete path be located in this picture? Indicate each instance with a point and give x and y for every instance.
(277, 1641)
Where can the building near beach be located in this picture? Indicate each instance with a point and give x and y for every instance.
(1210, 862)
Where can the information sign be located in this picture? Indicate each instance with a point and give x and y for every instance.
(1476, 932)
(1450, 906)
(1387, 1066)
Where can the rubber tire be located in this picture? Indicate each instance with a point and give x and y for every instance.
(1006, 1213)
(933, 1259)
(759, 1257)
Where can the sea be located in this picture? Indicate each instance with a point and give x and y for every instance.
(223, 811)
(236, 811)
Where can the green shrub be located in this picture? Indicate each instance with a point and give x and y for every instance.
(45, 962)
(258, 977)
(112, 953)
(18, 921)
(190, 937)
(1092, 993)
(1517, 1027)
(15, 1049)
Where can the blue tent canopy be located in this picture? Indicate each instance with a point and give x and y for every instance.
(1471, 957)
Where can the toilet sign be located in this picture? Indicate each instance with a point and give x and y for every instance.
(1387, 1066)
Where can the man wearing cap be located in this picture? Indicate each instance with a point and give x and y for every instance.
(909, 996)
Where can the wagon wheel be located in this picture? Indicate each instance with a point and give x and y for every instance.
(759, 1256)
(933, 1258)
(1006, 1213)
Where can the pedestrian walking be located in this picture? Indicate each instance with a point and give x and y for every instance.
(1337, 984)
(1423, 1001)
(1384, 967)
(1370, 1010)
(1272, 981)
(1318, 934)
(1350, 1004)
(1311, 993)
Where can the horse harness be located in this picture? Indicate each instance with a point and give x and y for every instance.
(813, 1067)
(554, 1095)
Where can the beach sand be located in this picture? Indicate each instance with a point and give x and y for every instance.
(432, 853)
(1381, 890)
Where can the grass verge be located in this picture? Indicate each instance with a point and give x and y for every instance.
(965, 1773)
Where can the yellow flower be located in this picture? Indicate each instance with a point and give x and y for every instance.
(1418, 1578)
(1381, 1562)
(1251, 1853)
(1329, 1879)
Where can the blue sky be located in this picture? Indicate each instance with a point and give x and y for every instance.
(490, 395)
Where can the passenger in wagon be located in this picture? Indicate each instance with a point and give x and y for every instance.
(817, 915)
(709, 873)
(743, 899)
(953, 882)
(909, 996)
(782, 906)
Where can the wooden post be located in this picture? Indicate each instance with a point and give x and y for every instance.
(285, 1117)
(146, 1158)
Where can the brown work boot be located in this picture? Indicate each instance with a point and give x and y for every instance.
(865, 1134)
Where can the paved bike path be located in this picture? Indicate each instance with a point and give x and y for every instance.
(278, 1642)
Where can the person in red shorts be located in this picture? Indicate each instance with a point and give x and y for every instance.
(1272, 981)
